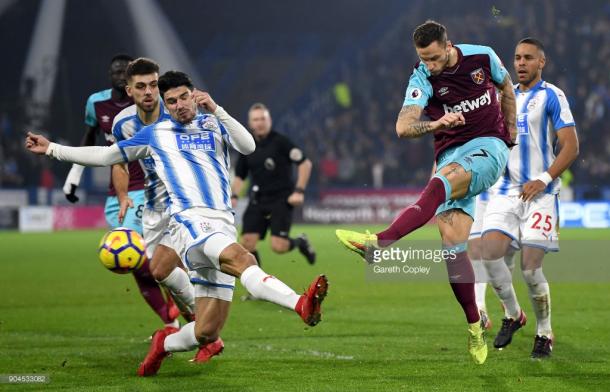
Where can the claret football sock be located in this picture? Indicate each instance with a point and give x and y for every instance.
(461, 278)
(418, 214)
(152, 292)
(264, 286)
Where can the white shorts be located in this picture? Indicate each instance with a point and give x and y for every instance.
(533, 223)
(199, 235)
(155, 228)
(479, 214)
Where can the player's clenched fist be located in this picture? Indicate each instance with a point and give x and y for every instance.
(37, 144)
(449, 120)
(204, 101)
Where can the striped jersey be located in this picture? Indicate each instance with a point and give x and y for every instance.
(192, 160)
(468, 87)
(541, 112)
(126, 125)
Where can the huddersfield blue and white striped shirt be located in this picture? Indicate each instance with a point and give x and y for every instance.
(126, 124)
(192, 160)
(541, 112)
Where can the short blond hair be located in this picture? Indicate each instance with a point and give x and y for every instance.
(258, 105)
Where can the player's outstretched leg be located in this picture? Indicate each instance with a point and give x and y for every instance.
(237, 261)
(267, 287)
(150, 290)
(411, 218)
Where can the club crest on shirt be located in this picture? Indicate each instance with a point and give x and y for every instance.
(532, 103)
(478, 76)
(210, 124)
(196, 141)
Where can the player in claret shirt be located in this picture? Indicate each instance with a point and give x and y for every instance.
(455, 87)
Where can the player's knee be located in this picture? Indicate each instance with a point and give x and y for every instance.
(492, 252)
(159, 268)
(207, 332)
(533, 276)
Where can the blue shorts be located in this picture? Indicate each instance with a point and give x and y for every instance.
(133, 217)
(485, 158)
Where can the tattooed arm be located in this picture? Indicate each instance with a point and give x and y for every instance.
(409, 124)
(509, 106)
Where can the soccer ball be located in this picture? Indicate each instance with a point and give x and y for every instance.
(122, 250)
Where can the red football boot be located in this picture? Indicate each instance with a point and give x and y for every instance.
(309, 304)
(152, 362)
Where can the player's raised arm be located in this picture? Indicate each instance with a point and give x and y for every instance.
(509, 106)
(409, 124)
(241, 139)
(87, 156)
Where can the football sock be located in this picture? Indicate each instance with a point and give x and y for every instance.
(461, 278)
(480, 285)
(509, 259)
(183, 340)
(502, 281)
(416, 215)
(540, 296)
(150, 290)
(264, 286)
(294, 242)
(181, 289)
(257, 257)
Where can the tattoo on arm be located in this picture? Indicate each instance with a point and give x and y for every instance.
(408, 124)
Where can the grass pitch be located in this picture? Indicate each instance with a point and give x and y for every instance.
(63, 315)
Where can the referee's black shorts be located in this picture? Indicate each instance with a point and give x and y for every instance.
(275, 214)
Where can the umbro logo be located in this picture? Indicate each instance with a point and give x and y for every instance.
(105, 119)
(443, 91)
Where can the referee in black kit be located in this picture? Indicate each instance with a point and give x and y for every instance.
(273, 194)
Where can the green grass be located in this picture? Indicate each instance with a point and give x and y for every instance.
(63, 315)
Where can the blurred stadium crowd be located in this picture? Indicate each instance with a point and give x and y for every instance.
(345, 117)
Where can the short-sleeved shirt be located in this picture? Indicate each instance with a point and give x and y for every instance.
(100, 111)
(192, 160)
(270, 166)
(126, 124)
(541, 112)
(467, 87)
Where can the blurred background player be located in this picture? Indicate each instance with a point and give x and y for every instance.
(456, 86)
(273, 193)
(101, 109)
(143, 87)
(524, 202)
